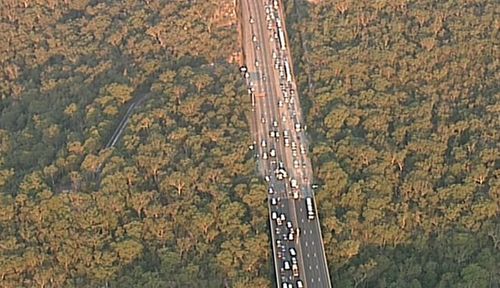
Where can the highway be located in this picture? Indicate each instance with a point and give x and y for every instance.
(281, 147)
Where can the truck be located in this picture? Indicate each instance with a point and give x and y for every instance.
(295, 270)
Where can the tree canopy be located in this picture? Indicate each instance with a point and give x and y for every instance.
(402, 102)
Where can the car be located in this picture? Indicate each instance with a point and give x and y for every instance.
(252, 20)
(254, 38)
(263, 143)
(290, 236)
(294, 260)
(247, 75)
(281, 165)
(252, 89)
(275, 123)
(282, 216)
(296, 163)
(271, 134)
(256, 63)
(268, 179)
(264, 156)
(299, 284)
(263, 120)
(271, 190)
(286, 265)
(274, 201)
(302, 149)
(272, 152)
(289, 225)
(278, 243)
(298, 127)
(292, 251)
(274, 215)
(294, 152)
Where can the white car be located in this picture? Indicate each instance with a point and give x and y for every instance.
(302, 149)
(289, 224)
(254, 38)
(268, 179)
(275, 123)
(274, 201)
(271, 190)
(280, 103)
(286, 265)
(272, 152)
(274, 216)
(263, 143)
(293, 252)
(251, 20)
(296, 163)
(282, 216)
(264, 156)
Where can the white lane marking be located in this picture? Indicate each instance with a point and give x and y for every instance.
(312, 280)
(315, 254)
(319, 279)
(317, 267)
(310, 267)
(306, 244)
(312, 243)
(302, 220)
(311, 231)
(308, 255)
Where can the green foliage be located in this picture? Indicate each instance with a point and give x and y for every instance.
(171, 204)
(403, 103)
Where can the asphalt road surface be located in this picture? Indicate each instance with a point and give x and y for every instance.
(281, 146)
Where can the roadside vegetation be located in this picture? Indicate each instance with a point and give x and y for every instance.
(403, 113)
(176, 203)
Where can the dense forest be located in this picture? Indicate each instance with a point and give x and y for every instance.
(176, 202)
(402, 100)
